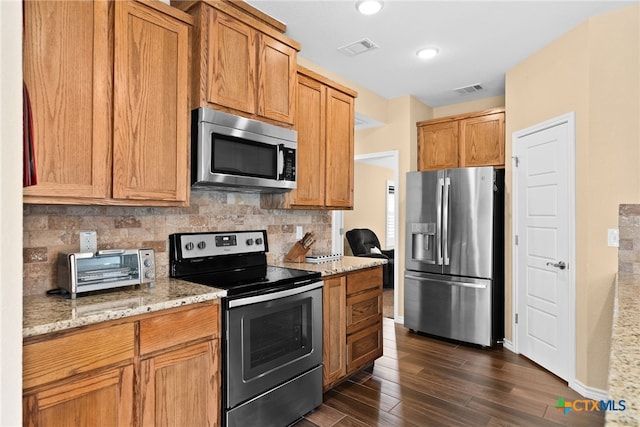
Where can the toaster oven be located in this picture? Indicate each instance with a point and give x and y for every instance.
(82, 272)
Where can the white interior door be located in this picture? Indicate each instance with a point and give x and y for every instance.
(544, 252)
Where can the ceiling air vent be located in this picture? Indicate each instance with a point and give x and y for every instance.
(358, 47)
(469, 89)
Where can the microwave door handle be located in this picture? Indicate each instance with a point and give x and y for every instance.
(280, 162)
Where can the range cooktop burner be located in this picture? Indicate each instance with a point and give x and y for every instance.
(234, 261)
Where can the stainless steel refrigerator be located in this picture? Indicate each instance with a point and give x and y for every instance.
(454, 259)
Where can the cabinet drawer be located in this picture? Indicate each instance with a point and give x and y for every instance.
(363, 280)
(364, 309)
(164, 331)
(76, 353)
(364, 347)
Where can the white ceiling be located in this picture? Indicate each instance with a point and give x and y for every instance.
(478, 40)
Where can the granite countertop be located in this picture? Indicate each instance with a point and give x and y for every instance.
(44, 314)
(624, 359)
(342, 265)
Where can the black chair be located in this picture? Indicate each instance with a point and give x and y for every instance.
(365, 243)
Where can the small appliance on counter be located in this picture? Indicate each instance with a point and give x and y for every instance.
(82, 272)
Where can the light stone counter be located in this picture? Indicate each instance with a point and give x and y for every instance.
(45, 314)
(624, 359)
(342, 265)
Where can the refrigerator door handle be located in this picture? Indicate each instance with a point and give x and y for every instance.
(450, 282)
(439, 220)
(445, 221)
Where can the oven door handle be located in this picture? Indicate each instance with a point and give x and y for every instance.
(274, 295)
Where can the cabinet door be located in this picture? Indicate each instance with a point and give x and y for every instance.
(180, 388)
(104, 399)
(276, 80)
(334, 330)
(310, 119)
(67, 72)
(231, 63)
(339, 151)
(151, 124)
(438, 146)
(482, 141)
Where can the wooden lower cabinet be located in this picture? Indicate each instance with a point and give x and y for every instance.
(177, 387)
(153, 370)
(352, 323)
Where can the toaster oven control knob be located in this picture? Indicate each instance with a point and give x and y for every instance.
(202, 245)
(249, 242)
(149, 274)
(148, 262)
(189, 246)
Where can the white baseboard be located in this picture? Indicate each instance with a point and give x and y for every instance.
(508, 345)
(589, 392)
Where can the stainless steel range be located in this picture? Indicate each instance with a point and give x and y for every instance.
(272, 325)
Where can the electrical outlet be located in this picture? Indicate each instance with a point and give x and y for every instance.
(299, 232)
(88, 241)
(613, 237)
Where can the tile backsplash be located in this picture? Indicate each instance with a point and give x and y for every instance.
(629, 246)
(50, 229)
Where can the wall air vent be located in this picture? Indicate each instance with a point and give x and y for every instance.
(358, 47)
(469, 89)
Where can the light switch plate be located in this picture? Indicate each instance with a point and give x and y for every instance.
(299, 232)
(88, 241)
(613, 237)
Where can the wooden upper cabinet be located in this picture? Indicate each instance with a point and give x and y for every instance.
(151, 105)
(310, 170)
(482, 140)
(231, 63)
(276, 80)
(325, 125)
(438, 146)
(339, 151)
(242, 65)
(475, 139)
(108, 84)
(66, 66)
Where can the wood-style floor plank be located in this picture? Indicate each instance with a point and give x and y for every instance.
(426, 381)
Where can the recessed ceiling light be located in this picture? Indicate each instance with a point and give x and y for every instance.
(427, 53)
(369, 7)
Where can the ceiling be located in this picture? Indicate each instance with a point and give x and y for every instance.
(478, 41)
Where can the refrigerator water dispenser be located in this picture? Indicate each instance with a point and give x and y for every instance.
(423, 242)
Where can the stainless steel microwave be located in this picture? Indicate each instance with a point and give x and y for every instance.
(233, 152)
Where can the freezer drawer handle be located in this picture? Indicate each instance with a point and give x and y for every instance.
(560, 264)
(461, 284)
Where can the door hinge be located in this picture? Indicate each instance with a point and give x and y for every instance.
(516, 240)
(516, 160)
(516, 318)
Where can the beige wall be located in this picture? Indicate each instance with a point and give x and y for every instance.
(369, 201)
(467, 107)
(593, 70)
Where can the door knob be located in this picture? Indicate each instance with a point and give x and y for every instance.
(560, 264)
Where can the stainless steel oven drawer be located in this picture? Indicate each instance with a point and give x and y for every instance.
(282, 405)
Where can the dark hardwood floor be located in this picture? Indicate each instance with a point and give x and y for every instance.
(422, 381)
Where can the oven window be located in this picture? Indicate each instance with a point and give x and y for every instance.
(237, 156)
(276, 336)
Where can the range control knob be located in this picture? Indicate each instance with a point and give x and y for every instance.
(189, 246)
(249, 242)
(202, 245)
(259, 241)
(148, 262)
